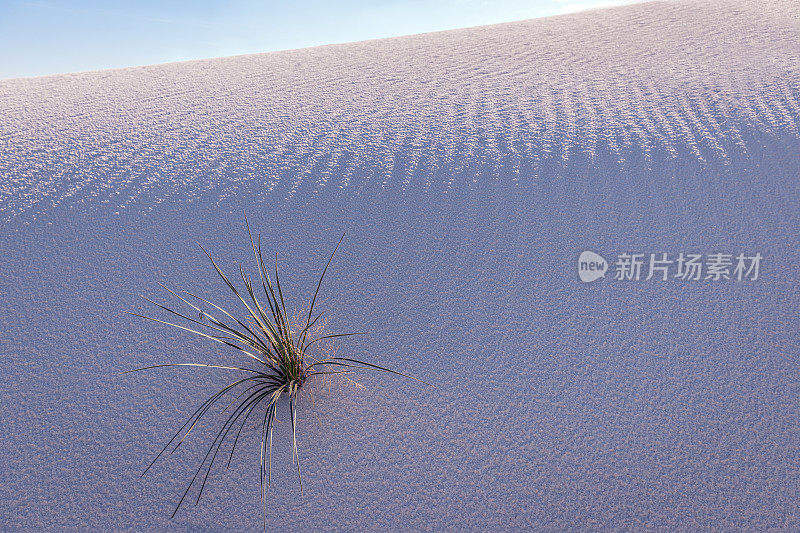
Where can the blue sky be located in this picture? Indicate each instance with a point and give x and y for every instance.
(48, 36)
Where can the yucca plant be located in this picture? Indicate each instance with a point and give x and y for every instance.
(279, 361)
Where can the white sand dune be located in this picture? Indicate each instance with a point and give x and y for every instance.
(408, 113)
(469, 169)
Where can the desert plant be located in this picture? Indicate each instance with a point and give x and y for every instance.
(278, 355)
